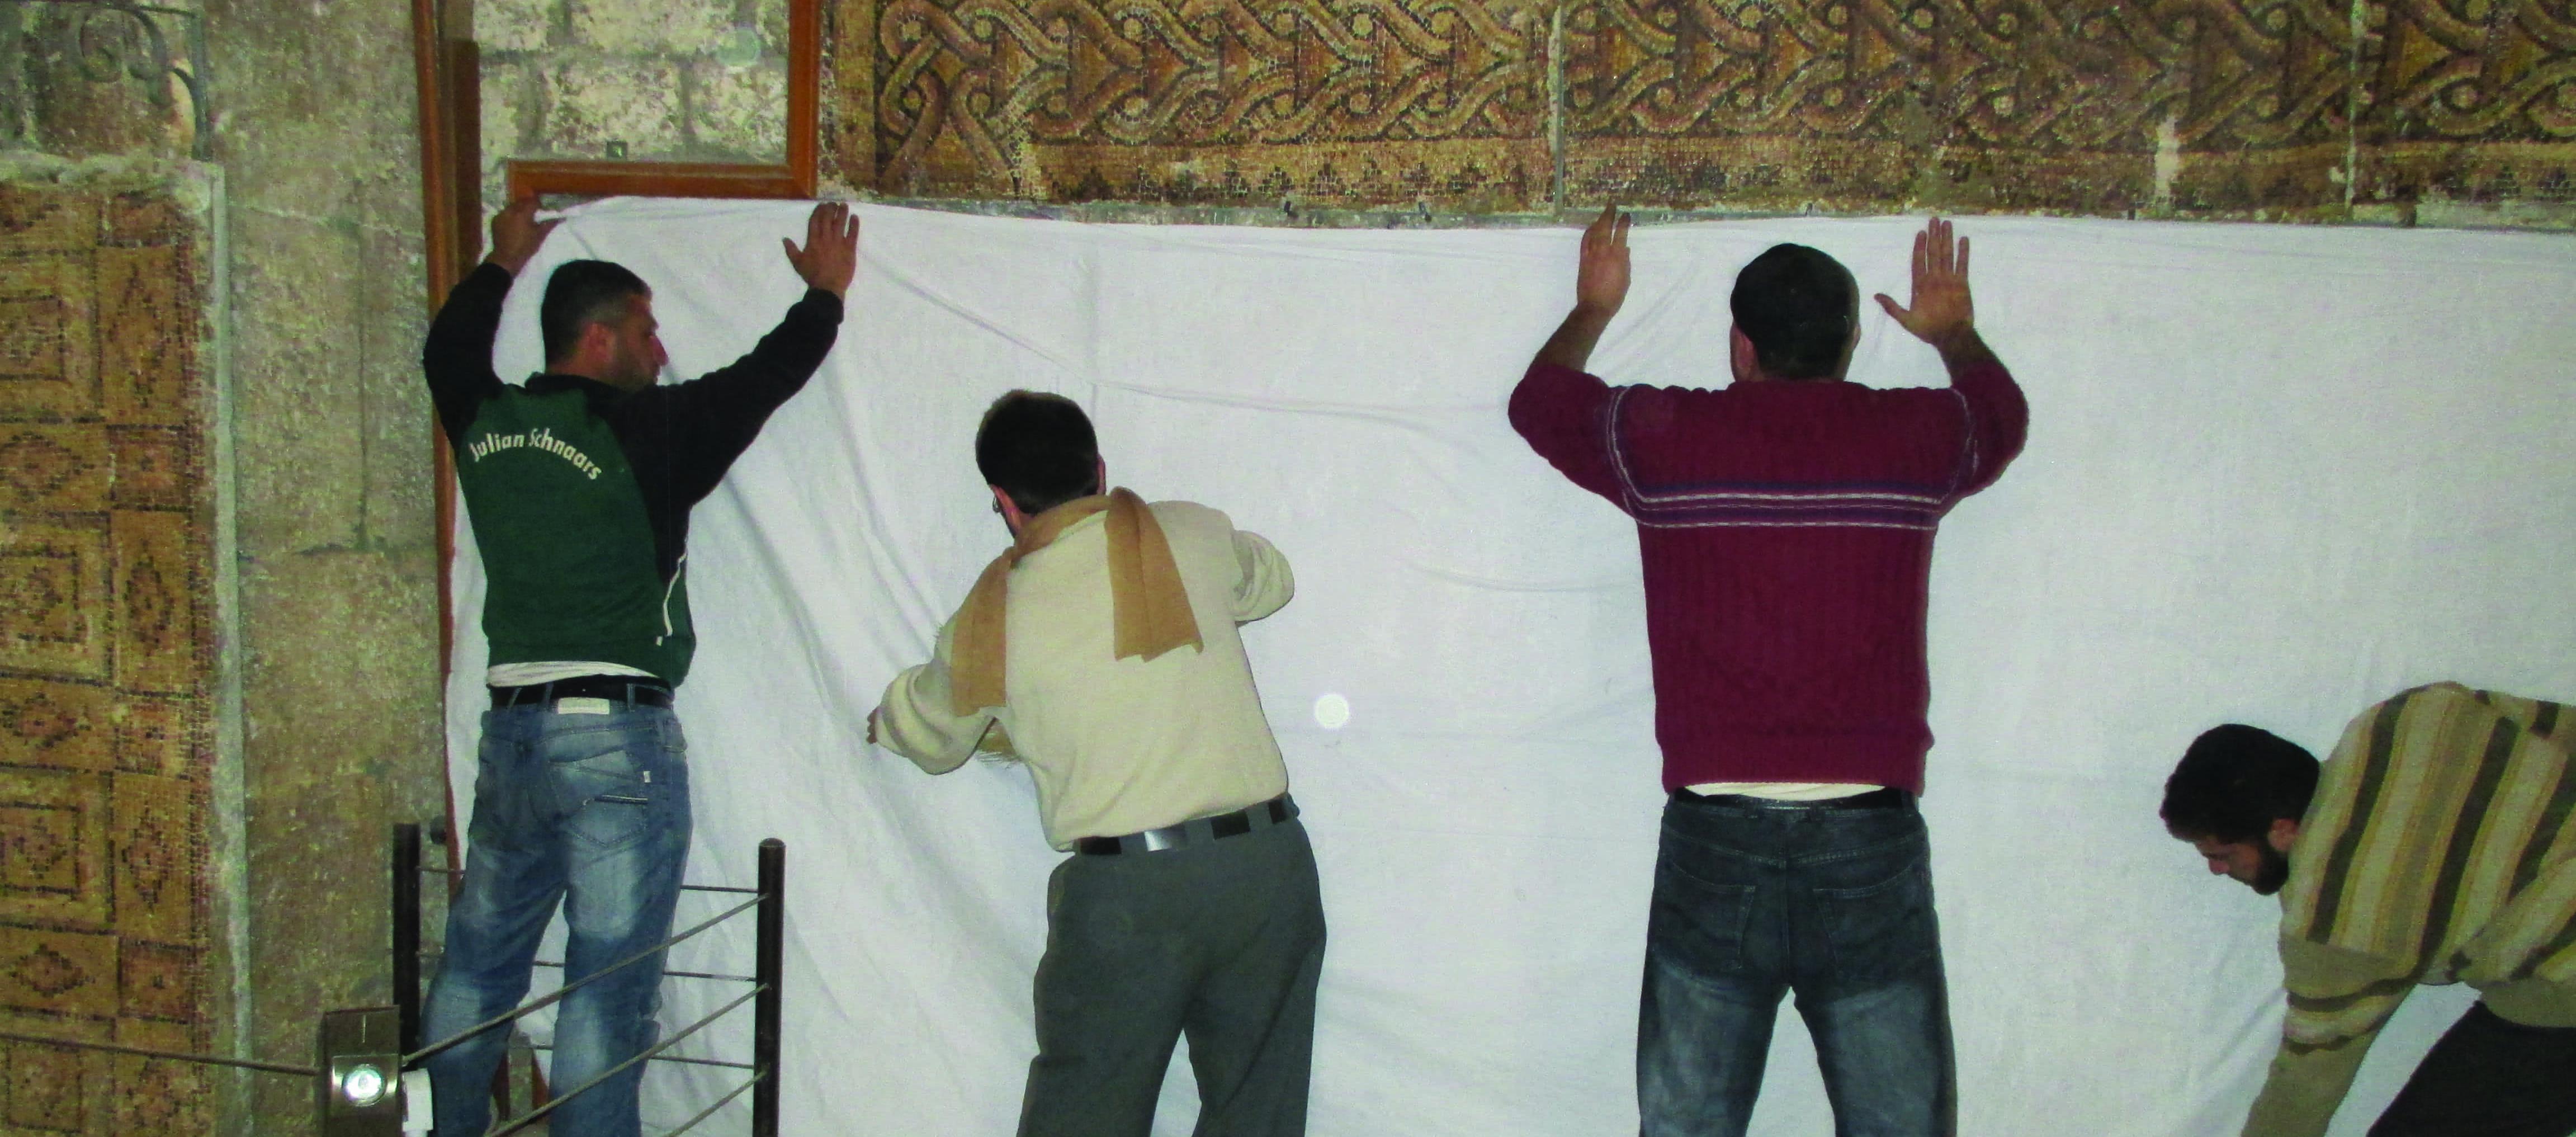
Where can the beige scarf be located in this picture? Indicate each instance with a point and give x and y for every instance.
(1149, 608)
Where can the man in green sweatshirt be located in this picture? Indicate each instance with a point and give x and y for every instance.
(2433, 847)
(579, 484)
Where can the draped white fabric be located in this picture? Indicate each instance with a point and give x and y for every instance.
(2273, 475)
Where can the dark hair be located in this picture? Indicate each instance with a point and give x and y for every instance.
(1039, 449)
(1799, 307)
(579, 294)
(2235, 781)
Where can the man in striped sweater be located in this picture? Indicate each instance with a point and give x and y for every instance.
(2433, 847)
(1785, 523)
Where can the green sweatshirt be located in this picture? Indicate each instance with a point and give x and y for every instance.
(580, 493)
(566, 542)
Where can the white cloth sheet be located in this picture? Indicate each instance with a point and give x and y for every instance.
(2273, 474)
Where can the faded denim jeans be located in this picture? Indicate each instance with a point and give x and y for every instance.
(591, 810)
(1753, 901)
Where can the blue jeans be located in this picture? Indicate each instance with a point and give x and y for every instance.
(1753, 901)
(591, 810)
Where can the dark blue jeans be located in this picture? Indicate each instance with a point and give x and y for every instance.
(1756, 900)
(591, 810)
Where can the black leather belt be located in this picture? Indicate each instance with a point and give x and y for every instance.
(629, 689)
(1885, 797)
(1196, 831)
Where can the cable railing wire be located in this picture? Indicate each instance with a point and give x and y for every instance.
(432, 954)
(710, 1111)
(440, 870)
(551, 997)
(763, 1069)
(769, 943)
(173, 1055)
(688, 1061)
(533, 1116)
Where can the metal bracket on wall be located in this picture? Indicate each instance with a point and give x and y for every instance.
(114, 40)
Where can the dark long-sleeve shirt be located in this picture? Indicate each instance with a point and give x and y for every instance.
(580, 493)
(1786, 530)
(680, 438)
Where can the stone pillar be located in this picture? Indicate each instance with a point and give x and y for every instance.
(317, 132)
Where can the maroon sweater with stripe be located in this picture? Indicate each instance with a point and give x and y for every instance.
(1786, 529)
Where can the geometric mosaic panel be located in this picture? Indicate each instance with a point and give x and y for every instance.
(158, 1098)
(48, 335)
(54, 615)
(45, 1088)
(106, 657)
(58, 973)
(58, 724)
(153, 467)
(160, 736)
(145, 379)
(155, 865)
(54, 468)
(53, 847)
(159, 605)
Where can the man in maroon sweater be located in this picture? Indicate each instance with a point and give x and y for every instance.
(1786, 527)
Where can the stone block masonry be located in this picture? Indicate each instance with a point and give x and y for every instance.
(689, 80)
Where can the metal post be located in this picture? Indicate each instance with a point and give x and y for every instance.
(765, 1008)
(406, 914)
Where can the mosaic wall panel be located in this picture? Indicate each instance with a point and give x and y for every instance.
(106, 659)
(2277, 108)
(1331, 103)
(2471, 100)
(2002, 104)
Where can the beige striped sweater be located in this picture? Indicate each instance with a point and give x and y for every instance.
(2437, 850)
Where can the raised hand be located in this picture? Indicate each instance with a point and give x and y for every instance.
(1941, 313)
(516, 233)
(831, 252)
(1600, 286)
(1601, 278)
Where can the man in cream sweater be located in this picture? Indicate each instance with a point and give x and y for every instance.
(1101, 651)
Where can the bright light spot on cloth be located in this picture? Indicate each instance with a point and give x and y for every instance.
(1332, 712)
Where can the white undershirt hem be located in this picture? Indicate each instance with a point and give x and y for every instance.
(1785, 791)
(531, 674)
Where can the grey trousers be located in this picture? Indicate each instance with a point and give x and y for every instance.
(1222, 942)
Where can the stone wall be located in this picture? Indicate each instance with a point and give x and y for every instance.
(341, 705)
(664, 80)
(327, 665)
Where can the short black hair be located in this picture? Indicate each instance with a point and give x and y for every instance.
(1039, 449)
(1799, 307)
(2235, 781)
(579, 294)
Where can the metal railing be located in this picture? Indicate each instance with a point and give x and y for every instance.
(768, 899)
(359, 1087)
